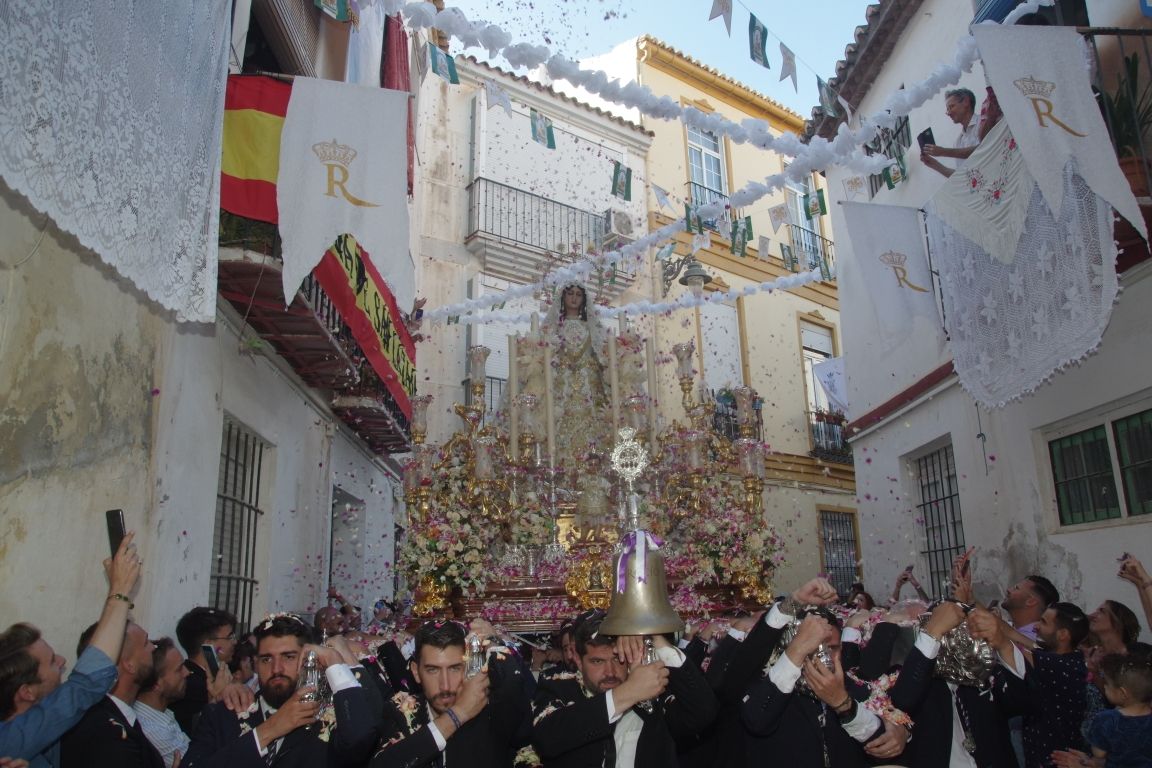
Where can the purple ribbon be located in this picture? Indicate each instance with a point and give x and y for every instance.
(636, 543)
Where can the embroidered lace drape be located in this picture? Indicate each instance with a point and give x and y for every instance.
(1013, 325)
(110, 119)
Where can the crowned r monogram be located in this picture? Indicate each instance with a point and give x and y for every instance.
(1038, 92)
(897, 261)
(337, 158)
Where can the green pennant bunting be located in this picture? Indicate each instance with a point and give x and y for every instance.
(542, 132)
(453, 319)
(692, 220)
(828, 99)
(741, 234)
(757, 40)
(621, 181)
(814, 205)
(337, 9)
(665, 253)
(895, 173)
(788, 257)
(443, 64)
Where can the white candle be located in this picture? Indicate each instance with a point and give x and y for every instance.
(549, 410)
(650, 349)
(614, 381)
(513, 390)
(534, 326)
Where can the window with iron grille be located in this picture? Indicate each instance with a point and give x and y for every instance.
(233, 582)
(1103, 472)
(839, 548)
(939, 509)
(892, 143)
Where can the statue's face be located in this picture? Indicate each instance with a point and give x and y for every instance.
(573, 300)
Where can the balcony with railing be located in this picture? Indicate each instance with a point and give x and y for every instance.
(828, 435)
(721, 223)
(811, 251)
(309, 334)
(518, 234)
(724, 419)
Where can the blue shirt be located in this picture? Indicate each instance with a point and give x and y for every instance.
(35, 734)
(1126, 740)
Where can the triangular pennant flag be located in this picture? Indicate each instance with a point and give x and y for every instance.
(762, 248)
(723, 8)
(542, 130)
(661, 196)
(497, 96)
(848, 114)
(827, 98)
(741, 234)
(757, 40)
(814, 205)
(621, 181)
(701, 241)
(443, 64)
(692, 220)
(778, 214)
(666, 252)
(788, 67)
(853, 185)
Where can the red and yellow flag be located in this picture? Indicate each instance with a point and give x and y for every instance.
(254, 109)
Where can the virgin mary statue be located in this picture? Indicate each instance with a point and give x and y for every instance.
(579, 361)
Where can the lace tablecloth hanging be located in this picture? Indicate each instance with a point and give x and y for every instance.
(1017, 317)
(110, 119)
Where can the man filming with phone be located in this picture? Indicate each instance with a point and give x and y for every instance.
(36, 705)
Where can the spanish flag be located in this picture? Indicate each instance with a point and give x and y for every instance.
(254, 109)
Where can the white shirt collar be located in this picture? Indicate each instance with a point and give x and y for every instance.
(125, 709)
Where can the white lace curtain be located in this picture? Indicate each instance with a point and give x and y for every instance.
(110, 119)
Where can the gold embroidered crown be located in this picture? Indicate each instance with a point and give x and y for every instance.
(1030, 86)
(332, 152)
(893, 259)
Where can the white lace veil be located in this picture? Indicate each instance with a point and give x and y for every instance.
(596, 331)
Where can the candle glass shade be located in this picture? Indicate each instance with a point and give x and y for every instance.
(751, 455)
(526, 406)
(477, 359)
(482, 448)
(745, 398)
(425, 462)
(694, 443)
(684, 352)
(420, 405)
(636, 412)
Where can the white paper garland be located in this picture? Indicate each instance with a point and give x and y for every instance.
(818, 154)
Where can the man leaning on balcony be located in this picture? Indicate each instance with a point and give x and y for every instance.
(960, 106)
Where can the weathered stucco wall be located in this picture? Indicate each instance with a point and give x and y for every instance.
(77, 370)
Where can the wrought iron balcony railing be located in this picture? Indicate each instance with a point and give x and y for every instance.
(529, 219)
(827, 434)
(812, 251)
(702, 195)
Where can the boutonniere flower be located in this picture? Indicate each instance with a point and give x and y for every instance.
(327, 721)
(409, 706)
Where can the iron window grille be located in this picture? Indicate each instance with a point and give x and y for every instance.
(232, 584)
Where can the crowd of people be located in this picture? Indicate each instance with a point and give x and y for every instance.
(815, 679)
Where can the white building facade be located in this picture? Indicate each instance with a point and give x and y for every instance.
(1056, 483)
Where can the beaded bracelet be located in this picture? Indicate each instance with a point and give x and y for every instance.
(452, 716)
(123, 598)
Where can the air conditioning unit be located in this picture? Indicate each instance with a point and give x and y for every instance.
(618, 229)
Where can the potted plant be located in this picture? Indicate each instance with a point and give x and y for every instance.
(1128, 113)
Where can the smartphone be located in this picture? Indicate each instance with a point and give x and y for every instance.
(115, 520)
(925, 137)
(909, 568)
(210, 659)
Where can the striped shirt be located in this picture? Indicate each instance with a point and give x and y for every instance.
(163, 731)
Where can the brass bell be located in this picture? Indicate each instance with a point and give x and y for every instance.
(643, 607)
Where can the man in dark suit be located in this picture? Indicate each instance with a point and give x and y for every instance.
(597, 716)
(282, 728)
(955, 724)
(109, 733)
(450, 720)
